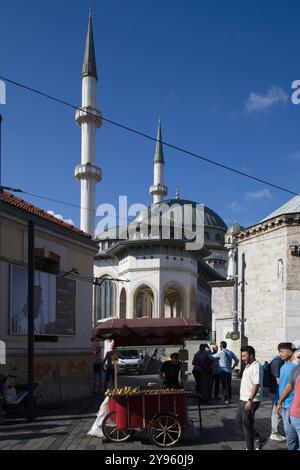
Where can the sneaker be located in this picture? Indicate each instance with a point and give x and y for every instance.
(226, 402)
(277, 437)
(259, 443)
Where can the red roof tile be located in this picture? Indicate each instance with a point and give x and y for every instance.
(15, 201)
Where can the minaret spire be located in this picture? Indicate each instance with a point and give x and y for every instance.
(159, 154)
(89, 67)
(87, 172)
(158, 190)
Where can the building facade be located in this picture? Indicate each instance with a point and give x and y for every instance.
(63, 281)
(268, 268)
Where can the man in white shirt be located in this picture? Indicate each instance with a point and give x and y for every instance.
(250, 396)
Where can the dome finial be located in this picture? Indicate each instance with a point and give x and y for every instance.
(177, 193)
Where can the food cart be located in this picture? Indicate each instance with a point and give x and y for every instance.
(162, 411)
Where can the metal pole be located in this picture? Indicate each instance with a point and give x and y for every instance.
(243, 299)
(30, 352)
(235, 323)
(0, 152)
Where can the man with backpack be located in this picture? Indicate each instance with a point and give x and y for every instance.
(271, 381)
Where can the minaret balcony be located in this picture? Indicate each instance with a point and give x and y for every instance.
(158, 190)
(88, 171)
(87, 115)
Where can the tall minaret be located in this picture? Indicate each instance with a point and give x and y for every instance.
(158, 190)
(87, 172)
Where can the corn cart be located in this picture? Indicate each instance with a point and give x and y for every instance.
(163, 412)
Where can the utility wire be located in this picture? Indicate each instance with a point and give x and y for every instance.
(8, 188)
(147, 136)
(65, 203)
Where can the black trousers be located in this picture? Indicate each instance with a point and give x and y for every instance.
(216, 383)
(203, 383)
(225, 378)
(197, 377)
(246, 420)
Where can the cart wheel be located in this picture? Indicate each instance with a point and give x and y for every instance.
(165, 430)
(111, 432)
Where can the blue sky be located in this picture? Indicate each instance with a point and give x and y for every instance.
(218, 73)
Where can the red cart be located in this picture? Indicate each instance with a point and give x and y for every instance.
(163, 413)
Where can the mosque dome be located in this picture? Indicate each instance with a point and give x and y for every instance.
(177, 206)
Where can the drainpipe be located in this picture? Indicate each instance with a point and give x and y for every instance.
(235, 322)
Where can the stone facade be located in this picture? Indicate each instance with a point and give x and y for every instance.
(269, 286)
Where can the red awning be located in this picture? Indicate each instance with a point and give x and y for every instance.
(149, 331)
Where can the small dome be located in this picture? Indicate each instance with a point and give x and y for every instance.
(233, 229)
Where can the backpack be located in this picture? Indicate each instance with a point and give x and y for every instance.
(268, 378)
(269, 381)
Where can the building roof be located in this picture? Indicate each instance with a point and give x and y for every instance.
(89, 67)
(290, 207)
(13, 201)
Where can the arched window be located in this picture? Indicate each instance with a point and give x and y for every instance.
(144, 302)
(105, 300)
(123, 299)
(172, 303)
(206, 236)
(193, 304)
(218, 237)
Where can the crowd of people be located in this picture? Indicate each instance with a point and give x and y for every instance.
(212, 370)
(213, 366)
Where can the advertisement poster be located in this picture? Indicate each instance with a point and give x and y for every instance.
(54, 306)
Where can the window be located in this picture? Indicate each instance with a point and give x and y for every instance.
(123, 303)
(218, 237)
(105, 300)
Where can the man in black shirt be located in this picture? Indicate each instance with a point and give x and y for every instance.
(169, 371)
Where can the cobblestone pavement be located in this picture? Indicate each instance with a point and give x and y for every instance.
(66, 428)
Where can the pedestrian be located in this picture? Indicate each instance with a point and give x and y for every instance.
(215, 371)
(289, 374)
(294, 380)
(202, 372)
(271, 381)
(251, 391)
(169, 371)
(226, 358)
(110, 357)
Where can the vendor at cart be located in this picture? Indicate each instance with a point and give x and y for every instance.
(169, 371)
(110, 359)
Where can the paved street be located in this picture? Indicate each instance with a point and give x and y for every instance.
(66, 428)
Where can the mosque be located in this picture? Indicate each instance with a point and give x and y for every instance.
(241, 283)
(141, 274)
